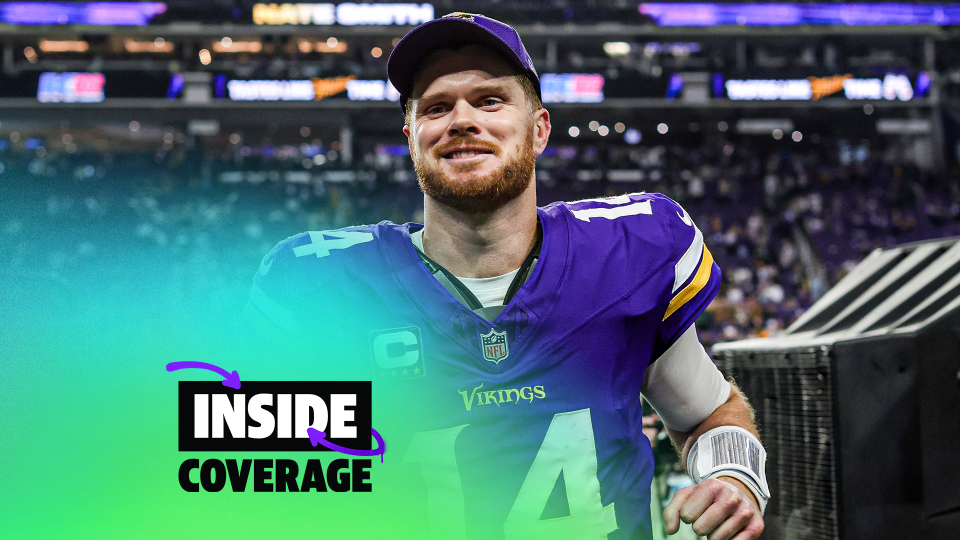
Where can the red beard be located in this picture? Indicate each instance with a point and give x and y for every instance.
(480, 195)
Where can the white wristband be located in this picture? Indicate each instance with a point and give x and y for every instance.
(731, 451)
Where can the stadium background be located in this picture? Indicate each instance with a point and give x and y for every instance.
(152, 153)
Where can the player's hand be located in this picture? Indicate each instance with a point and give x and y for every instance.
(718, 509)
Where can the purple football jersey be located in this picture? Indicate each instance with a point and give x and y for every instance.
(538, 411)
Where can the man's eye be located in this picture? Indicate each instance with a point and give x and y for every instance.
(490, 102)
(436, 109)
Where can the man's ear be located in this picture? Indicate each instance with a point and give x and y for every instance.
(406, 131)
(541, 130)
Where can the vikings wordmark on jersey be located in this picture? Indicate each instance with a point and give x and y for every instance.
(529, 425)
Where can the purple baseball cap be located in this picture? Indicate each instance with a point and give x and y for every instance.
(452, 30)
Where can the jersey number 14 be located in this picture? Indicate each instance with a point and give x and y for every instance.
(568, 447)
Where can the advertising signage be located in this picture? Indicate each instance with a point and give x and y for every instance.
(85, 13)
(70, 87)
(555, 87)
(699, 14)
(346, 14)
(288, 90)
(84, 87)
(891, 86)
(371, 90)
(572, 87)
(131, 13)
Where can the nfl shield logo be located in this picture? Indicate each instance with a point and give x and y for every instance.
(494, 346)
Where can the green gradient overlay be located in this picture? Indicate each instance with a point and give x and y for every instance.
(89, 424)
(90, 314)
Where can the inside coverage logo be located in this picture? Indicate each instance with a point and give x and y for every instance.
(273, 415)
(270, 416)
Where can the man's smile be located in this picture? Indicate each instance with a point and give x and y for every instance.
(467, 154)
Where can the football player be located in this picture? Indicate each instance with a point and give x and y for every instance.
(508, 344)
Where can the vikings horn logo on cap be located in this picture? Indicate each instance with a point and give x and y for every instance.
(458, 15)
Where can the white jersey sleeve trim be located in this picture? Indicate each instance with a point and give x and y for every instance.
(684, 386)
(688, 263)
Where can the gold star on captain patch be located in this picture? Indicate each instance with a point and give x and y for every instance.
(416, 371)
(394, 373)
(405, 372)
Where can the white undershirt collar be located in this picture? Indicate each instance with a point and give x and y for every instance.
(490, 291)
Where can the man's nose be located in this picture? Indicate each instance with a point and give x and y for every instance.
(462, 120)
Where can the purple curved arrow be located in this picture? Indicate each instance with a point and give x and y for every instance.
(231, 379)
(318, 437)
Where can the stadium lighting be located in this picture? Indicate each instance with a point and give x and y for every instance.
(673, 48)
(134, 126)
(30, 54)
(574, 131)
(205, 57)
(632, 136)
(797, 136)
(619, 127)
(377, 52)
(603, 131)
(310, 45)
(764, 126)
(227, 45)
(304, 131)
(50, 45)
(722, 127)
(868, 109)
(158, 45)
(616, 48)
(593, 125)
(663, 128)
(778, 134)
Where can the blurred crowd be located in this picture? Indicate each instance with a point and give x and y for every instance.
(784, 226)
